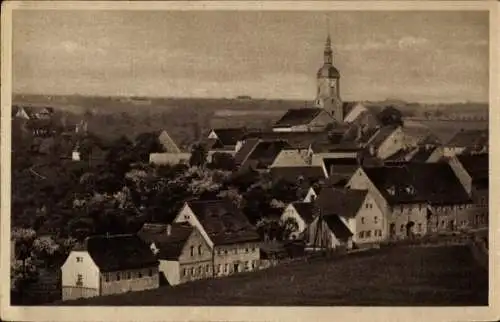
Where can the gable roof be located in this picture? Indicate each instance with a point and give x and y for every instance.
(381, 136)
(229, 136)
(264, 153)
(298, 140)
(306, 210)
(347, 107)
(170, 245)
(223, 222)
(477, 166)
(342, 202)
(119, 252)
(421, 134)
(245, 150)
(292, 174)
(337, 227)
(469, 138)
(422, 154)
(298, 116)
(289, 158)
(409, 183)
(331, 163)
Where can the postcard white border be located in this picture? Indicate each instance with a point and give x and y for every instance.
(16, 313)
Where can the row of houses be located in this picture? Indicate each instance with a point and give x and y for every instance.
(213, 238)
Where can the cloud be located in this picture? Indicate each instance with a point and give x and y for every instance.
(410, 42)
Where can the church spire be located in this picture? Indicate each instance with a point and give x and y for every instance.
(328, 53)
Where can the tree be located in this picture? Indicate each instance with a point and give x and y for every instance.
(288, 227)
(390, 116)
(146, 143)
(198, 155)
(222, 161)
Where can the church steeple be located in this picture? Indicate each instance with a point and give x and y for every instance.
(328, 53)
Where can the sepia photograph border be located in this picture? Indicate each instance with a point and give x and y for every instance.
(242, 313)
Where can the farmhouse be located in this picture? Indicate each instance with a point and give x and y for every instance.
(386, 141)
(328, 232)
(358, 211)
(300, 213)
(233, 240)
(109, 265)
(225, 139)
(183, 253)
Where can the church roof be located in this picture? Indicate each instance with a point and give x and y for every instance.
(328, 71)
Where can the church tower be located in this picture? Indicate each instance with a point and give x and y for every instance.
(328, 92)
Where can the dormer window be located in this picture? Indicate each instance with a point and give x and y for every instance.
(410, 190)
(391, 190)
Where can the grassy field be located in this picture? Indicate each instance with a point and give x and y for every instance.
(430, 276)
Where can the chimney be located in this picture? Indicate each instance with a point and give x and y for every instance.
(169, 230)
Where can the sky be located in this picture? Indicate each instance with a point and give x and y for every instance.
(426, 56)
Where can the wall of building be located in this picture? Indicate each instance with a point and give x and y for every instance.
(244, 255)
(370, 223)
(169, 158)
(289, 158)
(321, 237)
(448, 218)
(171, 270)
(196, 259)
(403, 214)
(461, 174)
(291, 213)
(79, 276)
(321, 121)
(452, 151)
(354, 113)
(187, 215)
(129, 280)
(479, 216)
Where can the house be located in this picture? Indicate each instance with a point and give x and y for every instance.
(386, 141)
(467, 139)
(169, 158)
(340, 165)
(106, 265)
(32, 112)
(419, 136)
(290, 158)
(312, 193)
(473, 173)
(295, 174)
(183, 253)
(167, 143)
(358, 211)
(261, 155)
(233, 240)
(303, 120)
(347, 150)
(297, 140)
(411, 205)
(328, 233)
(301, 214)
(225, 139)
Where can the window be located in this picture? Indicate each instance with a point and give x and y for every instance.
(207, 268)
(106, 277)
(253, 264)
(236, 251)
(129, 275)
(247, 265)
(246, 250)
(184, 272)
(402, 228)
(79, 259)
(150, 272)
(219, 268)
(361, 234)
(375, 219)
(225, 252)
(139, 274)
(199, 250)
(225, 268)
(410, 209)
(368, 233)
(192, 271)
(442, 223)
(362, 220)
(79, 280)
(192, 251)
(253, 249)
(118, 277)
(419, 227)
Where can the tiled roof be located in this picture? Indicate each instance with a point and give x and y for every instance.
(170, 245)
(223, 222)
(338, 228)
(292, 174)
(469, 138)
(342, 202)
(120, 252)
(435, 183)
(298, 140)
(245, 151)
(290, 158)
(381, 135)
(399, 156)
(421, 134)
(229, 136)
(298, 116)
(331, 163)
(477, 166)
(306, 210)
(422, 154)
(347, 107)
(265, 152)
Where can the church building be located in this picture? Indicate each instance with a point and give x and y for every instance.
(328, 91)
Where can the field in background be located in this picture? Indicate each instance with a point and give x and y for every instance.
(189, 119)
(400, 276)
